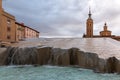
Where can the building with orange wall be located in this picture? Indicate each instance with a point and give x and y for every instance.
(20, 31)
(89, 29)
(105, 32)
(31, 33)
(89, 26)
(11, 31)
(23, 32)
(7, 26)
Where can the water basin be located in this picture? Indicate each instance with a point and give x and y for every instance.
(51, 73)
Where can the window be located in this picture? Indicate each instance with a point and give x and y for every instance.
(8, 25)
(8, 21)
(8, 28)
(8, 37)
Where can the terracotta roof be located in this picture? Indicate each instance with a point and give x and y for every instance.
(22, 24)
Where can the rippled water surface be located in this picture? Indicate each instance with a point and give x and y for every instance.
(51, 73)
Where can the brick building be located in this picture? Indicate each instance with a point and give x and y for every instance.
(23, 32)
(31, 33)
(7, 26)
(12, 31)
(89, 29)
(104, 33)
(20, 31)
(89, 26)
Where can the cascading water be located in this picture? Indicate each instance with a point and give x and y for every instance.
(18, 56)
(60, 57)
(25, 59)
(12, 58)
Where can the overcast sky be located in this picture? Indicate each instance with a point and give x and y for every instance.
(65, 17)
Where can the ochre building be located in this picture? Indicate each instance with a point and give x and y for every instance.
(105, 32)
(12, 31)
(31, 33)
(89, 26)
(20, 31)
(7, 26)
(23, 32)
(90, 33)
(89, 29)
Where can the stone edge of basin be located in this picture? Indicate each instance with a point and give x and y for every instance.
(44, 55)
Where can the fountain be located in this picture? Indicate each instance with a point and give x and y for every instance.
(61, 59)
(59, 56)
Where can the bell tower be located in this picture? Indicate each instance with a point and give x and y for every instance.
(0, 18)
(105, 27)
(89, 26)
(0, 6)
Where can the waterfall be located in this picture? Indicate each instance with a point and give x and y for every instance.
(60, 57)
(50, 61)
(12, 58)
(11, 51)
(17, 56)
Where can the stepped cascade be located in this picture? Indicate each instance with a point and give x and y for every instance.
(59, 54)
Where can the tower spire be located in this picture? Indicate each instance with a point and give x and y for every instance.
(105, 23)
(89, 13)
(105, 26)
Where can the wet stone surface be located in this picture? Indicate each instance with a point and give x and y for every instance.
(104, 47)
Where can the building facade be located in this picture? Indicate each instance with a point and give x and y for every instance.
(20, 31)
(12, 31)
(23, 32)
(7, 26)
(89, 29)
(31, 33)
(89, 26)
(105, 32)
